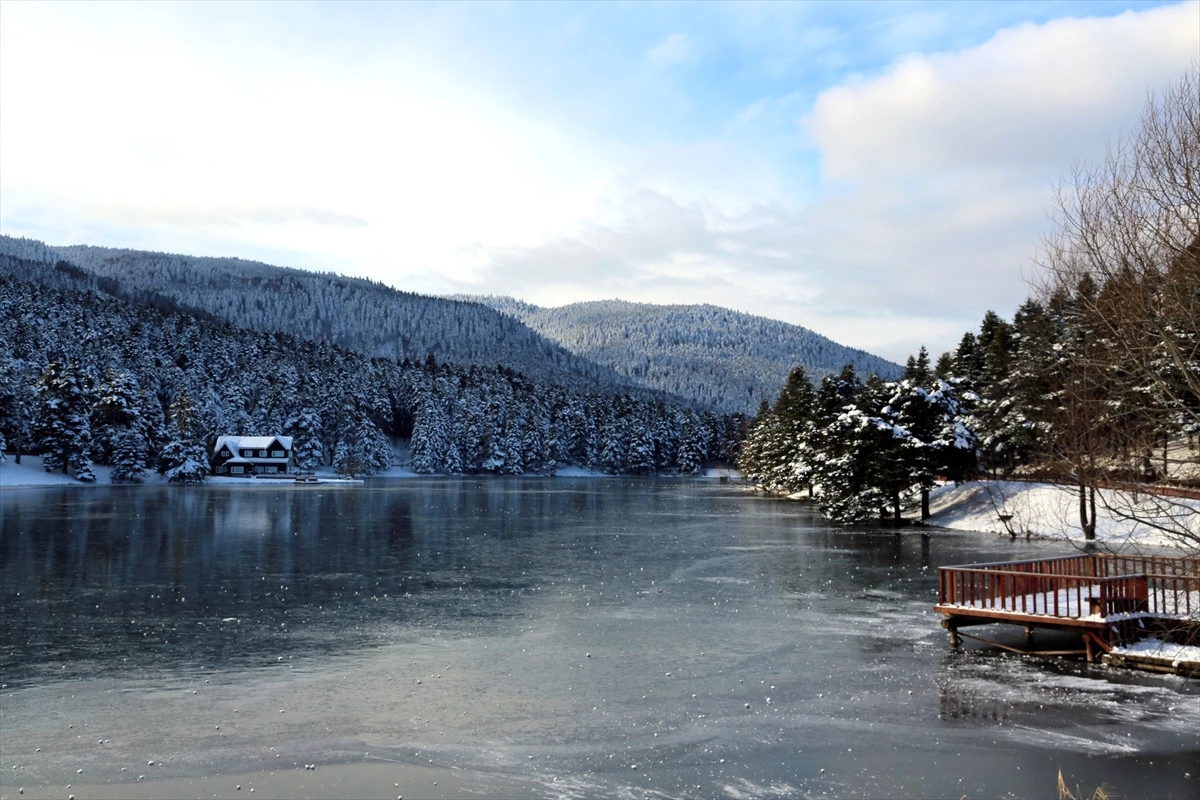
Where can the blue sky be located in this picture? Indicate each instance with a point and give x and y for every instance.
(879, 172)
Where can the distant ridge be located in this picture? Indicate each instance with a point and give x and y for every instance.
(725, 360)
(708, 357)
(354, 313)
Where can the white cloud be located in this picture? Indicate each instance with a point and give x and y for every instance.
(938, 188)
(137, 121)
(1031, 98)
(939, 171)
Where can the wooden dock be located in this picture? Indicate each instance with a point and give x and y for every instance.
(1109, 599)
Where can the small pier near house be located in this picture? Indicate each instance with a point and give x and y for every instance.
(1112, 601)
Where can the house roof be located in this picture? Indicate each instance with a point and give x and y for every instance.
(234, 443)
(236, 460)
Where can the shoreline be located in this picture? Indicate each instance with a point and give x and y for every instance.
(1046, 511)
(1006, 508)
(29, 474)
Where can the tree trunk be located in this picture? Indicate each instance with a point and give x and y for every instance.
(896, 507)
(924, 504)
(1087, 522)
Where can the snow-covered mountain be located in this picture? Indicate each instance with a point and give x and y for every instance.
(353, 313)
(722, 359)
(708, 357)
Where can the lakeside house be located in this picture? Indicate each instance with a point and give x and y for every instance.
(251, 455)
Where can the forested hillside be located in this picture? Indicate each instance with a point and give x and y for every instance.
(720, 358)
(353, 313)
(88, 378)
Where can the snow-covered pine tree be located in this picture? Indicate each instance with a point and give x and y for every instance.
(347, 460)
(128, 455)
(183, 458)
(61, 424)
(308, 452)
(693, 443)
(17, 382)
(791, 450)
(751, 460)
(114, 412)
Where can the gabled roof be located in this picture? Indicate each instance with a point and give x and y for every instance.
(234, 443)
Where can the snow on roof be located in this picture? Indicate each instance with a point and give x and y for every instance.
(235, 443)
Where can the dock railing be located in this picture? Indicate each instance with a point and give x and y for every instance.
(1076, 587)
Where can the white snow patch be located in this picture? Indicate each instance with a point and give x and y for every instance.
(730, 474)
(1175, 653)
(578, 472)
(30, 473)
(1049, 511)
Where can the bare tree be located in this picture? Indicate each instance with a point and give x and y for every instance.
(1126, 251)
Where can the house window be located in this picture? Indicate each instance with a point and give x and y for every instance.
(276, 454)
(225, 453)
(262, 453)
(247, 453)
(236, 470)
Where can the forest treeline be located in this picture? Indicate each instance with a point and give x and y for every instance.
(1006, 400)
(87, 378)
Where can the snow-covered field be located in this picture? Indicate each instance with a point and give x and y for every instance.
(1043, 510)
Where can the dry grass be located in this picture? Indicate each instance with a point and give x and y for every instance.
(1065, 793)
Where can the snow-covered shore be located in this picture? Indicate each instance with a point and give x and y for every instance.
(29, 473)
(1037, 510)
(1049, 511)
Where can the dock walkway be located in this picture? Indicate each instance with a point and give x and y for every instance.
(1109, 599)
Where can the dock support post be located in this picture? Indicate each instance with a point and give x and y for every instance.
(1028, 633)
(955, 639)
(1091, 652)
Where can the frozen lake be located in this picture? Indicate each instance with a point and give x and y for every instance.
(555, 638)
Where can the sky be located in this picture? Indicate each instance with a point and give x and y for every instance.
(881, 173)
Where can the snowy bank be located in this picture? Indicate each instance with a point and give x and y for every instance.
(1049, 511)
(30, 473)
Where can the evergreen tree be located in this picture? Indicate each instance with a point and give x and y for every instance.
(114, 412)
(128, 455)
(183, 458)
(17, 399)
(840, 439)
(792, 449)
(751, 460)
(308, 452)
(693, 444)
(917, 370)
(62, 426)
(183, 462)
